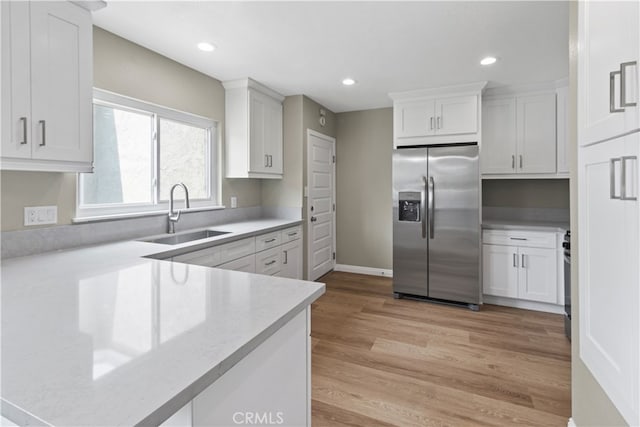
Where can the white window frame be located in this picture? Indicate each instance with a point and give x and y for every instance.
(156, 112)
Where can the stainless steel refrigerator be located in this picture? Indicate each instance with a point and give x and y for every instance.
(436, 223)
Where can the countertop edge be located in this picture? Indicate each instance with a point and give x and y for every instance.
(561, 228)
(207, 379)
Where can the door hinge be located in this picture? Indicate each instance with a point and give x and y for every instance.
(334, 255)
(334, 159)
(334, 207)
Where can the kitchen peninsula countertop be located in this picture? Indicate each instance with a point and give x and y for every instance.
(103, 336)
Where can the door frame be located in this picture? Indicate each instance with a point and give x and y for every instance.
(332, 141)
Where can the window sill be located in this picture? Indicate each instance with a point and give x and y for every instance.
(112, 217)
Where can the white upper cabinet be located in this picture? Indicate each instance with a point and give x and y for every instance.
(47, 76)
(519, 135)
(562, 134)
(253, 130)
(608, 72)
(436, 116)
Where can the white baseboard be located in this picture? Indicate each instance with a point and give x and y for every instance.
(527, 305)
(363, 270)
(571, 423)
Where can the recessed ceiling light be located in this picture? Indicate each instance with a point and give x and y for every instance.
(348, 82)
(206, 47)
(488, 60)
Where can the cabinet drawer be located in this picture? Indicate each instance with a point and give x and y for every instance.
(237, 249)
(289, 234)
(531, 239)
(209, 257)
(267, 241)
(246, 264)
(268, 262)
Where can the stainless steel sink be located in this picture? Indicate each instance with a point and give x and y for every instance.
(176, 239)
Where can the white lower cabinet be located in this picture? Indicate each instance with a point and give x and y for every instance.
(522, 265)
(269, 386)
(246, 264)
(268, 261)
(291, 260)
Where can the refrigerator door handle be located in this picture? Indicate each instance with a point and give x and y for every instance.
(423, 215)
(432, 205)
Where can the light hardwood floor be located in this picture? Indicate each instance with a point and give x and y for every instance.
(378, 361)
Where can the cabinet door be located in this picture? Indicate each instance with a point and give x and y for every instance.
(258, 157)
(273, 136)
(291, 260)
(538, 275)
(414, 118)
(500, 270)
(61, 76)
(498, 136)
(457, 115)
(246, 264)
(536, 133)
(562, 128)
(268, 262)
(16, 80)
(609, 36)
(608, 273)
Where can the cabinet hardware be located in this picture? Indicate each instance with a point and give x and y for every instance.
(520, 161)
(623, 84)
(432, 208)
(266, 160)
(430, 123)
(314, 219)
(423, 208)
(286, 257)
(270, 263)
(270, 161)
(43, 125)
(515, 260)
(612, 178)
(523, 266)
(518, 238)
(270, 241)
(623, 178)
(513, 161)
(24, 130)
(292, 234)
(612, 90)
(439, 122)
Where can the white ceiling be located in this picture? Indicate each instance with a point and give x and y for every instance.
(309, 47)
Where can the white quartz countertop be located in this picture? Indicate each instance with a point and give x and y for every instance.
(533, 225)
(102, 336)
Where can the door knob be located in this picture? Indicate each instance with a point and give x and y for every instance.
(313, 219)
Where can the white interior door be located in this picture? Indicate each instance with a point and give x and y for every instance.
(320, 204)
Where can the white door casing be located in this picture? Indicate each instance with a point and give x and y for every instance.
(320, 204)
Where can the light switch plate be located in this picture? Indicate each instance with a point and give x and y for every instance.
(40, 215)
(234, 202)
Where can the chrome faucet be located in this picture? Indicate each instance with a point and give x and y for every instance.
(175, 216)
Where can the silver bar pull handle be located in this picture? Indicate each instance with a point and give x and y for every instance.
(423, 209)
(270, 161)
(513, 161)
(612, 178)
(623, 84)
(266, 160)
(523, 266)
(515, 260)
(43, 126)
(431, 123)
(24, 130)
(270, 263)
(517, 238)
(286, 257)
(432, 208)
(612, 91)
(623, 179)
(520, 161)
(270, 241)
(439, 122)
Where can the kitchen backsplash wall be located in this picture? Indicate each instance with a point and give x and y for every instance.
(526, 193)
(129, 69)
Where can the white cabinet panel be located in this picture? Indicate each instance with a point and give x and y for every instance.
(271, 382)
(609, 36)
(266, 241)
(291, 260)
(209, 257)
(500, 270)
(498, 136)
(246, 264)
(50, 66)
(536, 133)
(609, 270)
(538, 275)
(415, 118)
(268, 262)
(457, 115)
(562, 129)
(237, 249)
(290, 234)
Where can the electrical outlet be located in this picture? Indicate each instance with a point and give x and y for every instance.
(40, 215)
(234, 202)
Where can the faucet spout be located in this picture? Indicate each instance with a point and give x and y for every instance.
(173, 215)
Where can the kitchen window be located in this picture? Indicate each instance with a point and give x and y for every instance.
(140, 151)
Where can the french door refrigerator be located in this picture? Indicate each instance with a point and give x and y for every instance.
(436, 223)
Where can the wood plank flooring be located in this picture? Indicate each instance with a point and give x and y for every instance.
(377, 361)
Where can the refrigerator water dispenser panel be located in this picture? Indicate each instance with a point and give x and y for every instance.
(409, 207)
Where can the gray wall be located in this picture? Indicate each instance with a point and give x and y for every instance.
(526, 193)
(590, 405)
(363, 169)
(129, 69)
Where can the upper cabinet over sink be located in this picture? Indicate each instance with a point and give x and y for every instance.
(253, 130)
(435, 116)
(47, 76)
